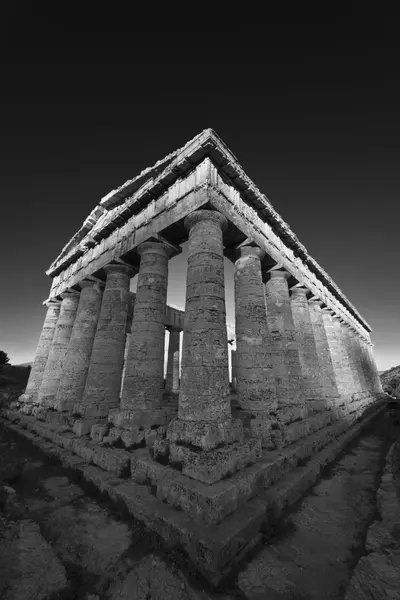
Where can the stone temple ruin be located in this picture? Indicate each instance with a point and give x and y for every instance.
(207, 461)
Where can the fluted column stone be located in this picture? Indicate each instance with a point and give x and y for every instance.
(287, 368)
(204, 415)
(256, 389)
(343, 378)
(77, 359)
(172, 380)
(55, 362)
(103, 382)
(377, 380)
(144, 375)
(30, 396)
(346, 358)
(312, 373)
(354, 361)
(234, 370)
(330, 388)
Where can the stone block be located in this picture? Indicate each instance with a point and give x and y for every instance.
(98, 432)
(133, 439)
(205, 435)
(210, 467)
(160, 450)
(113, 460)
(84, 449)
(127, 419)
(150, 437)
(84, 426)
(112, 437)
(289, 413)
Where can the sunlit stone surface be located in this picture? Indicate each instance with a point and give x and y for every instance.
(204, 468)
(55, 362)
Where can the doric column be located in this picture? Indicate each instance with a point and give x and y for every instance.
(353, 381)
(310, 367)
(377, 380)
(358, 352)
(234, 370)
(55, 362)
(256, 390)
(77, 359)
(323, 349)
(343, 376)
(103, 382)
(142, 388)
(204, 416)
(31, 393)
(353, 358)
(172, 381)
(288, 376)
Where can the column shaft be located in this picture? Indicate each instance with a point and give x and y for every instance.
(353, 362)
(335, 346)
(310, 368)
(234, 370)
(204, 415)
(103, 382)
(353, 383)
(77, 359)
(288, 375)
(144, 375)
(172, 381)
(42, 353)
(323, 350)
(55, 362)
(256, 389)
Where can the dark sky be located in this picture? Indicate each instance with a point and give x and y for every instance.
(311, 110)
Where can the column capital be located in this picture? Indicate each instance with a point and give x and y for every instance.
(249, 250)
(70, 294)
(89, 284)
(119, 268)
(205, 215)
(52, 303)
(316, 302)
(279, 273)
(299, 292)
(154, 246)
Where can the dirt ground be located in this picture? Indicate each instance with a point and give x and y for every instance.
(61, 540)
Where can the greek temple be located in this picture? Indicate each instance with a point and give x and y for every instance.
(205, 453)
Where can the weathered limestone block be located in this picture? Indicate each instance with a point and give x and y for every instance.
(144, 375)
(103, 382)
(353, 363)
(77, 360)
(375, 379)
(234, 370)
(204, 391)
(256, 389)
(353, 339)
(46, 337)
(346, 358)
(288, 375)
(343, 376)
(330, 388)
(55, 362)
(310, 367)
(172, 381)
(211, 467)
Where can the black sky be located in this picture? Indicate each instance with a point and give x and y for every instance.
(311, 110)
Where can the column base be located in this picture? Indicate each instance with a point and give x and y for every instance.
(205, 435)
(215, 465)
(84, 426)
